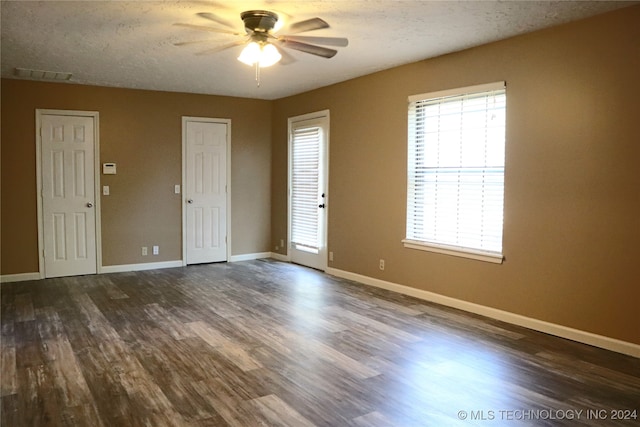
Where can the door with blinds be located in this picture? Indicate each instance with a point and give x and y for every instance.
(308, 184)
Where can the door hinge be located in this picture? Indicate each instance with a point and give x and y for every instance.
(225, 239)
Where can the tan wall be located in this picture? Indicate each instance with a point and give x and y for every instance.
(141, 132)
(572, 196)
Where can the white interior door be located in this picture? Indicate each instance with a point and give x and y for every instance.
(205, 193)
(68, 195)
(308, 179)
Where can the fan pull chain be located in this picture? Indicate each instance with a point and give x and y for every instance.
(258, 73)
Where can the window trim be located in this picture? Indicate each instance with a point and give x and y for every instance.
(488, 87)
(458, 251)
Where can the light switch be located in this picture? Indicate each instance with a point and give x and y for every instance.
(176, 189)
(105, 190)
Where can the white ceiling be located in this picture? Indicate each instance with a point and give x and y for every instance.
(131, 43)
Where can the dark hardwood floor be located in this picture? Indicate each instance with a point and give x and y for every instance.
(265, 343)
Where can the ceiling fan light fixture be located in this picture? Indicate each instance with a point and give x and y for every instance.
(263, 54)
(270, 55)
(250, 54)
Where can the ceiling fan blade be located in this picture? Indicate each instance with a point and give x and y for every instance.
(204, 28)
(326, 41)
(221, 48)
(191, 42)
(324, 52)
(308, 25)
(216, 19)
(287, 58)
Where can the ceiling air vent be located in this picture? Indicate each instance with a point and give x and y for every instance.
(41, 74)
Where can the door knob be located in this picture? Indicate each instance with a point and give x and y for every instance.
(190, 201)
(89, 205)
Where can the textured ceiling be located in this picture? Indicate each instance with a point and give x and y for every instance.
(131, 44)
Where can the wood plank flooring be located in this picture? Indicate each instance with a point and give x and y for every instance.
(265, 343)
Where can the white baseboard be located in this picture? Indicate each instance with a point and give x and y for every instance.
(21, 277)
(140, 267)
(505, 316)
(133, 267)
(280, 257)
(249, 257)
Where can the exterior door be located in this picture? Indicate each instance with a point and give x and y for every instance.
(205, 194)
(308, 184)
(67, 150)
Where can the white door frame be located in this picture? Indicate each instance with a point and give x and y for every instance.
(96, 172)
(227, 122)
(323, 114)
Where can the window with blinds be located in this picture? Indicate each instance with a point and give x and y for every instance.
(456, 156)
(304, 187)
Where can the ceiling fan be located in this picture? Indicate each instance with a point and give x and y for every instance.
(262, 42)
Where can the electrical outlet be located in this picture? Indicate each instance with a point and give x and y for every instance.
(381, 264)
(282, 242)
(145, 251)
(277, 248)
(176, 189)
(330, 256)
(156, 250)
(105, 190)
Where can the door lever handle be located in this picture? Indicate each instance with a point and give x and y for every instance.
(322, 206)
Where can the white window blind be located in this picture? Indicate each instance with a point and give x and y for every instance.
(304, 187)
(456, 153)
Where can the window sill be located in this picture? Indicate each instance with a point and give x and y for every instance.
(478, 255)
